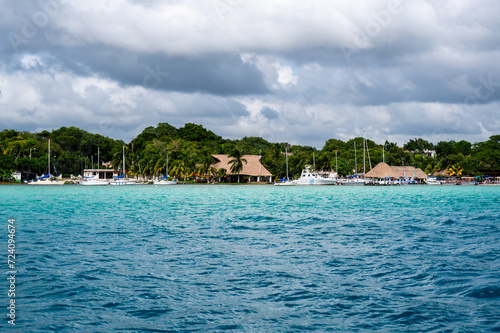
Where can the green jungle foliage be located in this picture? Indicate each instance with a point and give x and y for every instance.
(189, 150)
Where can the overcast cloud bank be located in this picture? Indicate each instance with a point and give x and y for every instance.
(286, 71)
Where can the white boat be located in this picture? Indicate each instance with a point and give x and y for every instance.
(122, 180)
(164, 180)
(353, 181)
(45, 179)
(313, 178)
(287, 181)
(433, 181)
(94, 181)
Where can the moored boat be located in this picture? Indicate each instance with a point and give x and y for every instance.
(313, 178)
(353, 181)
(45, 179)
(122, 180)
(287, 181)
(94, 181)
(164, 181)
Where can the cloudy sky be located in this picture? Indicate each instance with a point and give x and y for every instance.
(294, 71)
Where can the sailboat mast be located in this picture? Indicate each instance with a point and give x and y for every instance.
(166, 171)
(355, 162)
(286, 159)
(49, 157)
(364, 154)
(336, 163)
(123, 161)
(97, 158)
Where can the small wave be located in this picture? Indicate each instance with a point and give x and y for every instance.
(229, 327)
(485, 292)
(147, 314)
(113, 233)
(111, 305)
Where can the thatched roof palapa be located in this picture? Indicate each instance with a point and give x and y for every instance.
(384, 170)
(409, 171)
(253, 167)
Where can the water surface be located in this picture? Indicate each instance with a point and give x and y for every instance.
(255, 258)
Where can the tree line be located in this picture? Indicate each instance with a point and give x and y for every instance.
(189, 149)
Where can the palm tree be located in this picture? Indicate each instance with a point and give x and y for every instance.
(213, 172)
(190, 163)
(221, 173)
(237, 162)
(455, 170)
(206, 161)
(178, 168)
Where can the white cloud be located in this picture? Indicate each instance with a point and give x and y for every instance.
(286, 76)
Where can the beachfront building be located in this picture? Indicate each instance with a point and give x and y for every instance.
(384, 174)
(102, 173)
(253, 169)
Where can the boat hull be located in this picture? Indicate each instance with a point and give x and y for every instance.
(48, 182)
(164, 182)
(314, 182)
(94, 183)
(357, 183)
(288, 183)
(122, 183)
(308, 178)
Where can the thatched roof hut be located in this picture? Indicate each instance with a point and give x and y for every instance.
(253, 167)
(440, 173)
(409, 171)
(383, 170)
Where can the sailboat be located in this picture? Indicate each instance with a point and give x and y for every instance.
(45, 179)
(287, 181)
(122, 180)
(95, 180)
(355, 180)
(164, 180)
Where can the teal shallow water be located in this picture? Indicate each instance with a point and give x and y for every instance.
(255, 258)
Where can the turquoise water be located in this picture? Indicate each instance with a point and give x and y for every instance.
(254, 258)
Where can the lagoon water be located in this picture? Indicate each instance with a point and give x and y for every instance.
(254, 258)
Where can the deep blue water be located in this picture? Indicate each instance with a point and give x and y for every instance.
(254, 258)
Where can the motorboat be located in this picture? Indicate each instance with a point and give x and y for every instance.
(314, 178)
(433, 181)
